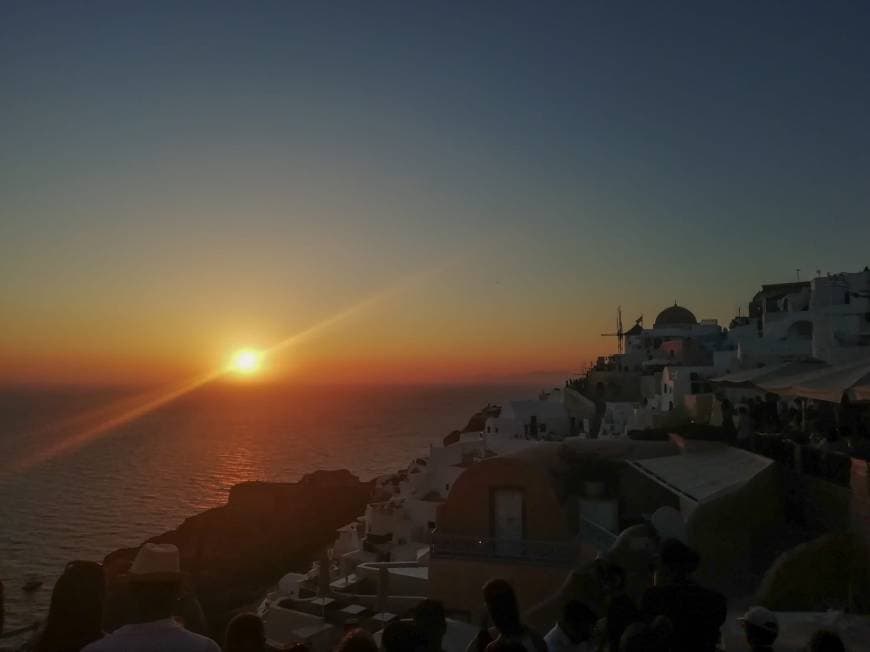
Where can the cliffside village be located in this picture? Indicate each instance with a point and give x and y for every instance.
(749, 443)
(729, 463)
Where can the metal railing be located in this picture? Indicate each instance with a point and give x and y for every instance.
(449, 546)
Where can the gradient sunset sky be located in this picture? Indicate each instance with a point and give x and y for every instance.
(472, 189)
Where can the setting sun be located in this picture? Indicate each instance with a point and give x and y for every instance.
(246, 361)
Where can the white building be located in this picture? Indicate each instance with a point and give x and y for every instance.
(827, 318)
(840, 306)
(554, 415)
(531, 419)
(679, 382)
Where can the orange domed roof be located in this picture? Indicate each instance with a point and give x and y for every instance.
(675, 316)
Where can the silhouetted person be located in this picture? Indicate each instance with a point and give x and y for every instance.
(621, 610)
(155, 580)
(695, 612)
(75, 615)
(189, 614)
(728, 428)
(573, 631)
(643, 637)
(501, 603)
(245, 633)
(357, 640)
(431, 624)
(761, 628)
(401, 636)
(745, 427)
(825, 640)
(512, 646)
(483, 637)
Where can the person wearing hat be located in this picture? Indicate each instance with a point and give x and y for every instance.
(761, 628)
(155, 580)
(696, 613)
(431, 623)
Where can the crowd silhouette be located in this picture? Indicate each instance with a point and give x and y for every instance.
(674, 614)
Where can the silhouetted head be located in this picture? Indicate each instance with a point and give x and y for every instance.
(825, 640)
(245, 633)
(577, 621)
(155, 581)
(401, 636)
(357, 640)
(501, 602)
(431, 623)
(153, 600)
(761, 627)
(676, 561)
(75, 616)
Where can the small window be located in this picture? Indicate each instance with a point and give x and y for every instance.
(447, 487)
(542, 427)
(496, 428)
(847, 298)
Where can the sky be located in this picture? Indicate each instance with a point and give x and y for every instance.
(428, 191)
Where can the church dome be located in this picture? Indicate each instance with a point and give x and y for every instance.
(675, 316)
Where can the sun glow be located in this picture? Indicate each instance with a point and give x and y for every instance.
(246, 362)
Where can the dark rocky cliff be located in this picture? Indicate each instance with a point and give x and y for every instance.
(232, 554)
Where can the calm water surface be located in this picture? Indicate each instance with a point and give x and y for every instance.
(144, 477)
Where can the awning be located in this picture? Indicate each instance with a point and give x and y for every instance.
(827, 384)
(772, 375)
(705, 474)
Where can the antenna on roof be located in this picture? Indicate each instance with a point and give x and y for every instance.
(798, 271)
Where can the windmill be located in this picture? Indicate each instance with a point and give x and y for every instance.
(619, 334)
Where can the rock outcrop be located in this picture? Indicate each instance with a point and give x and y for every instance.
(476, 423)
(232, 554)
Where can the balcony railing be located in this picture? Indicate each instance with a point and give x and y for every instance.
(449, 546)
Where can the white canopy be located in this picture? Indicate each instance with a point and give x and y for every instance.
(769, 374)
(809, 379)
(827, 384)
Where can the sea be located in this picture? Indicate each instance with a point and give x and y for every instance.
(86, 471)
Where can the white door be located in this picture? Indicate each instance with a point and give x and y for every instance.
(508, 525)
